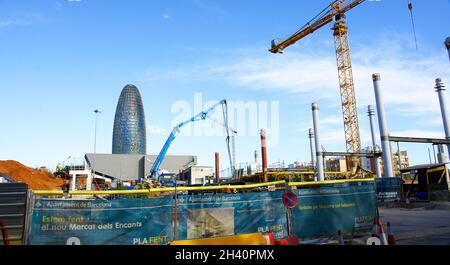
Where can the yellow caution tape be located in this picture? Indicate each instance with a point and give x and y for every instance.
(329, 182)
(202, 188)
(146, 191)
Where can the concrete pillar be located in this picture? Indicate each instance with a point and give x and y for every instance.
(74, 182)
(371, 113)
(384, 134)
(264, 154)
(447, 45)
(444, 112)
(441, 154)
(311, 145)
(89, 181)
(217, 168)
(319, 158)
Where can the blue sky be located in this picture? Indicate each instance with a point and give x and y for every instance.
(60, 60)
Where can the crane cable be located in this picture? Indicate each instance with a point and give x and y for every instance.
(410, 7)
(321, 15)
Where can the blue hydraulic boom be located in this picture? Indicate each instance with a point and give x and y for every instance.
(176, 130)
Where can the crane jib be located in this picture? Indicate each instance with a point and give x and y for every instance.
(313, 25)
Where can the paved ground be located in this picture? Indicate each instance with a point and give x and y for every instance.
(419, 226)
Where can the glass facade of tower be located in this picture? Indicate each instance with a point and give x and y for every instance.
(129, 134)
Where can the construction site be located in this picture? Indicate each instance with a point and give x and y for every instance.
(357, 196)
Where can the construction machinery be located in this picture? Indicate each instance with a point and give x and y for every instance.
(335, 13)
(200, 116)
(233, 133)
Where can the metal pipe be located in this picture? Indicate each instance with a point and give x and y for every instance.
(429, 155)
(443, 104)
(311, 145)
(384, 135)
(371, 113)
(447, 45)
(264, 154)
(217, 167)
(319, 159)
(399, 157)
(434, 155)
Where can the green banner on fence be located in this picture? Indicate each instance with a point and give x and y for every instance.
(101, 222)
(323, 210)
(211, 215)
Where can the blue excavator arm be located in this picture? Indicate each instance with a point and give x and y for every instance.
(176, 130)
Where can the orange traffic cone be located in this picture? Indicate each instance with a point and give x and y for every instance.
(340, 238)
(270, 240)
(383, 239)
(391, 238)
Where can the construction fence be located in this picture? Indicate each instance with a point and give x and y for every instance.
(322, 209)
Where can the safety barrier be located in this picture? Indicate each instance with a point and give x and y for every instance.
(323, 208)
(153, 190)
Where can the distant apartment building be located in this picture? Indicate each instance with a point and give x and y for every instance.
(369, 163)
(404, 161)
(336, 164)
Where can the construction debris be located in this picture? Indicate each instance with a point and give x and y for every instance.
(37, 179)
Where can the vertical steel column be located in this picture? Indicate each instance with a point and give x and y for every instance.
(429, 155)
(371, 113)
(217, 168)
(311, 145)
(384, 135)
(319, 158)
(264, 154)
(443, 104)
(399, 157)
(447, 45)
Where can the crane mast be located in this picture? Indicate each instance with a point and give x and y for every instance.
(335, 12)
(346, 85)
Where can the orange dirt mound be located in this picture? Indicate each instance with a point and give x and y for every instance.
(36, 179)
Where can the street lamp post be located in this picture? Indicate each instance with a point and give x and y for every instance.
(89, 181)
(95, 133)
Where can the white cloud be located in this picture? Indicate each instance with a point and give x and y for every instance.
(20, 19)
(419, 133)
(155, 129)
(166, 16)
(407, 82)
(407, 76)
(9, 22)
(211, 6)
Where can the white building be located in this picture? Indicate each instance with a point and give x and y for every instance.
(198, 174)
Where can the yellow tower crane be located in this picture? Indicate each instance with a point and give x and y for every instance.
(335, 12)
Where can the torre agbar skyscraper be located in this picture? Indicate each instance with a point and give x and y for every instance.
(129, 134)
